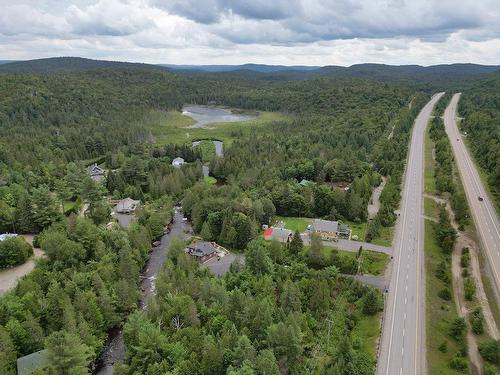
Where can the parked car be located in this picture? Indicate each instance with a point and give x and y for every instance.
(156, 243)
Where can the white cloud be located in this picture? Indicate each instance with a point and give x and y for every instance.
(310, 32)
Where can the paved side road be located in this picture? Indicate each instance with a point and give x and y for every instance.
(402, 350)
(483, 212)
(351, 245)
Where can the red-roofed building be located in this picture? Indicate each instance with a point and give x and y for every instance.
(280, 234)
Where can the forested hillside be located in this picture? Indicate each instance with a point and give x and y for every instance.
(480, 107)
(347, 131)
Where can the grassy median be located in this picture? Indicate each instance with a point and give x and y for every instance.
(441, 348)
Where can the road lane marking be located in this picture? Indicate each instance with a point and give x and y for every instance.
(416, 145)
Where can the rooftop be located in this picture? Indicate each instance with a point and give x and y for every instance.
(277, 232)
(4, 236)
(127, 204)
(31, 362)
(321, 225)
(200, 249)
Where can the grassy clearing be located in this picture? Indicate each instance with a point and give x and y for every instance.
(439, 313)
(373, 263)
(431, 209)
(358, 229)
(384, 237)
(211, 180)
(367, 329)
(294, 223)
(429, 181)
(207, 150)
(172, 127)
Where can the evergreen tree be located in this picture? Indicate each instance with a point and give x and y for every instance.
(371, 302)
(296, 244)
(66, 354)
(315, 251)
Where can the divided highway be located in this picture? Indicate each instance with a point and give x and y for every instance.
(402, 350)
(481, 207)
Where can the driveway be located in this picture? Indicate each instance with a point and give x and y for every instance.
(10, 277)
(351, 245)
(221, 267)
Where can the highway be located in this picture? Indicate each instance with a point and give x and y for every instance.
(483, 212)
(402, 348)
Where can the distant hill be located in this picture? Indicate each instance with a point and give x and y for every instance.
(423, 77)
(6, 61)
(70, 64)
(261, 68)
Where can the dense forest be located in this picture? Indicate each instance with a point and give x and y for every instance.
(480, 107)
(288, 309)
(276, 315)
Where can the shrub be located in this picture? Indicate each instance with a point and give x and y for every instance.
(460, 364)
(443, 272)
(476, 321)
(457, 328)
(445, 294)
(443, 347)
(489, 369)
(14, 251)
(490, 351)
(465, 260)
(470, 289)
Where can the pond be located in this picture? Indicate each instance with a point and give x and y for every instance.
(204, 115)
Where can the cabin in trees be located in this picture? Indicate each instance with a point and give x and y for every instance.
(95, 172)
(202, 251)
(330, 230)
(31, 362)
(305, 183)
(178, 162)
(279, 234)
(127, 206)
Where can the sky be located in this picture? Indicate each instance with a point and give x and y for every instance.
(288, 32)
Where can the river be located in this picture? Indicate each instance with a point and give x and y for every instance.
(114, 350)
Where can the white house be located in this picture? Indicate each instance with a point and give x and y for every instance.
(126, 206)
(178, 162)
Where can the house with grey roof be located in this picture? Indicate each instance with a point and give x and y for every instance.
(202, 251)
(278, 233)
(95, 172)
(31, 362)
(330, 230)
(127, 206)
